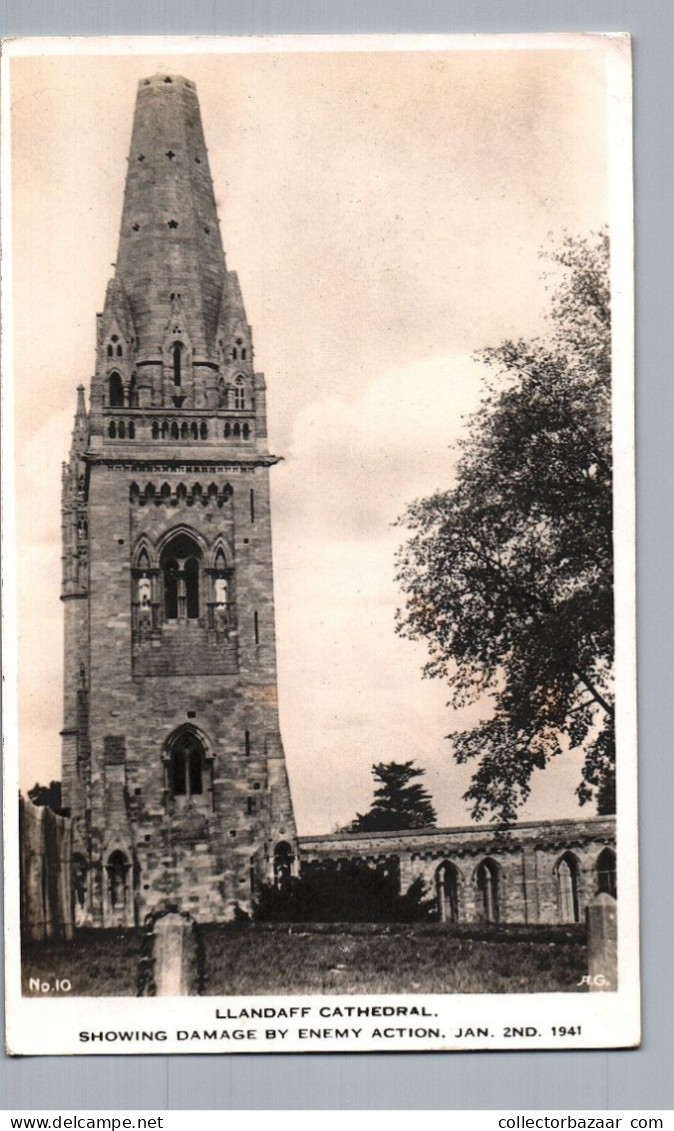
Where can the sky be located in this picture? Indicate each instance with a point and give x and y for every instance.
(384, 211)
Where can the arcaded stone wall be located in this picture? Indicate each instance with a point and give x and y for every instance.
(541, 872)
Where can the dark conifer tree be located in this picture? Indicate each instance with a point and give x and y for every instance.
(400, 802)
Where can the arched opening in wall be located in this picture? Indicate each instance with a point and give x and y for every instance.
(447, 892)
(115, 390)
(239, 394)
(176, 354)
(192, 588)
(118, 869)
(606, 872)
(568, 894)
(80, 869)
(181, 569)
(133, 392)
(283, 865)
(186, 765)
(487, 877)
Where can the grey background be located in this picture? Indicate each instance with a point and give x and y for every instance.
(619, 1079)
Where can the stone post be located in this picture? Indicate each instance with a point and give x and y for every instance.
(602, 943)
(175, 956)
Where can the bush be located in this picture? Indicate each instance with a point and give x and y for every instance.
(344, 891)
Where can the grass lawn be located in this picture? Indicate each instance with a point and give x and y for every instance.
(243, 959)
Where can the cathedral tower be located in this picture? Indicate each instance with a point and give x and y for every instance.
(173, 766)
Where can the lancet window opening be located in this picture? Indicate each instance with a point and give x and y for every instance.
(487, 877)
(176, 354)
(283, 865)
(606, 872)
(447, 892)
(567, 871)
(181, 567)
(118, 869)
(187, 766)
(115, 390)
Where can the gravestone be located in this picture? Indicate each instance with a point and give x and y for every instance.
(602, 943)
(175, 956)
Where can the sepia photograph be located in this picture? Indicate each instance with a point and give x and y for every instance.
(319, 544)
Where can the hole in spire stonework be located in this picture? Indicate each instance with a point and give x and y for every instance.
(136, 227)
(167, 79)
(141, 156)
(173, 224)
(170, 154)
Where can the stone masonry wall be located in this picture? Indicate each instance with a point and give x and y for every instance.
(524, 859)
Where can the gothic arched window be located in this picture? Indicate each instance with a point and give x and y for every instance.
(176, 353)
(118, 872)
(488, 886)
(181, 570)
(606, 872)
(239, 394)
(186, 765)
(283, 865)
(115, 390)
(568, 877)
(447, 891)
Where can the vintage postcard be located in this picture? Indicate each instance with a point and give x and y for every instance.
(319, 652)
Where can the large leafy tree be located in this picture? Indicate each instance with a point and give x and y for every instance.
(400, 802)
(508, 576)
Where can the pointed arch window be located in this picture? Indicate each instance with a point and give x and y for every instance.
(115, 390)
(239, 394)
(606, 872)
(118, 868)
(176, 354)
(568, 888)
(187, 766)
(447, 892)
(181, 572)
(488, 887)
(283, 865)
